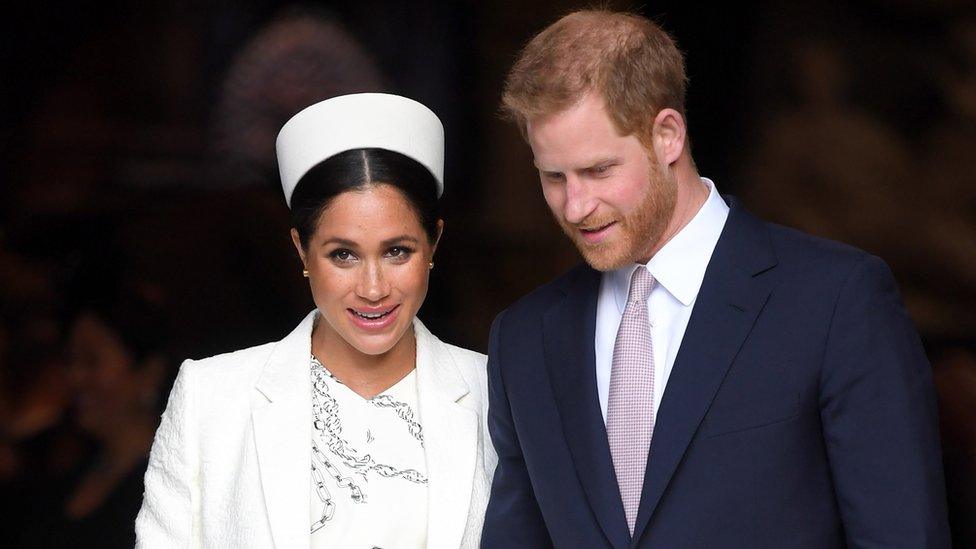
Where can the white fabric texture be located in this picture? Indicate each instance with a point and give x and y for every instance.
(679, 268)
(368, 466)
(231, 462)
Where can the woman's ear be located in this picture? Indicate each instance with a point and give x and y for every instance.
(298, 245)
(437, 240)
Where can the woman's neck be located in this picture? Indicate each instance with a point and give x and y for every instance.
(367, 375)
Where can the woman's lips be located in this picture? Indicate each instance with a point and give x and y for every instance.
(385, 319)
(596, 236)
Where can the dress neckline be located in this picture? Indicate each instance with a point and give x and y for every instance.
(398, 388)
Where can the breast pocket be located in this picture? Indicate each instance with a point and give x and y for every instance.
(753, 413)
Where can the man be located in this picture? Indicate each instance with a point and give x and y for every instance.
(707, 380)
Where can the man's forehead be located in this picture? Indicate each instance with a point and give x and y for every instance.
(588, 109)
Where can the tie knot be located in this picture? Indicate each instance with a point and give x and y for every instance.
(641, 284)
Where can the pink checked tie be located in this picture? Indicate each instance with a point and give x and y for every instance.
(630, 413)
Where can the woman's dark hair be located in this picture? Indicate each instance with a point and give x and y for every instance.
(356, 169)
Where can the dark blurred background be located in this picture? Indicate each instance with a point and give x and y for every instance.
(141, 220)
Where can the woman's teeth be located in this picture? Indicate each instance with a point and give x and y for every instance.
(371, 316)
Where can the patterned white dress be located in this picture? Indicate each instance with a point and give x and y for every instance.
(369, 476)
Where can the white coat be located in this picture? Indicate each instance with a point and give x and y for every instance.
(231, 462)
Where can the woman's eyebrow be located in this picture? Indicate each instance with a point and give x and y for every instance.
(401, 238)
(339, 241)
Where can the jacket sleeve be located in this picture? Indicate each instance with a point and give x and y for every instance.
(169, 517)
(513, 519)
(879, 417)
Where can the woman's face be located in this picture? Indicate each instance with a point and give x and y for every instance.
(368, 265)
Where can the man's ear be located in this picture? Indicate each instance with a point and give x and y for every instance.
(668, 136)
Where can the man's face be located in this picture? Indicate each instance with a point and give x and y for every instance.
(604, 189)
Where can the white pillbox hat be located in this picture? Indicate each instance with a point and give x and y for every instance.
(361, 120)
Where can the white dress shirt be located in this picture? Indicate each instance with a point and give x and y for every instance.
(678, 268)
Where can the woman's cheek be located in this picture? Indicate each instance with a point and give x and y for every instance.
(418, 281)
(330, 282)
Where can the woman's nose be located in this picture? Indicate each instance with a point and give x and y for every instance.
(373, 285)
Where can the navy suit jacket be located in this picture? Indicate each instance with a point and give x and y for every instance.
(800, 412)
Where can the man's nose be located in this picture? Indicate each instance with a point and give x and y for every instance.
(579, 202)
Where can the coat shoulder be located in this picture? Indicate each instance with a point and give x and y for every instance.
(231, 368)
(815, 258)
(472, 364)
(466, 358)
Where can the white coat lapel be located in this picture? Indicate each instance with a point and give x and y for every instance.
(281, 415)
(450, 440)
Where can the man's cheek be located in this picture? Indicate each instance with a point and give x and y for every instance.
(556, 201)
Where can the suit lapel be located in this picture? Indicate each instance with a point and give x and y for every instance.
(450, 440)
(731, 298)
(568, 329)
(281, 416)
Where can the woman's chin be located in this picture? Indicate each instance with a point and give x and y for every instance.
(375, 344)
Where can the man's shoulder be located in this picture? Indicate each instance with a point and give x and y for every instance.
(791, 250)
(807, 255)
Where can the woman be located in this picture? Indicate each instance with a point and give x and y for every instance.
(360, 428)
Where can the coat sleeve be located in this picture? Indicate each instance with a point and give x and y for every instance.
(169, 517)
(879, 417)
(513, 519)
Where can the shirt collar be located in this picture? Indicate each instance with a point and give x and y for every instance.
(679, 266)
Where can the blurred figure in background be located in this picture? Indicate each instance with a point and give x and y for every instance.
(951, 282)
(830, 167)
(114, 374)
(302, 55)
(955, 379)
(33, 392)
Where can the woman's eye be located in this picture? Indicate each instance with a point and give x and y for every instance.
(341, 255)
(399, 252)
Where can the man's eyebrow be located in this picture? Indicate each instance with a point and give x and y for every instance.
(543, 170)
(603, 161)
(600, 161)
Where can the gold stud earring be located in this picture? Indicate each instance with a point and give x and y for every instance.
(305, 273)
